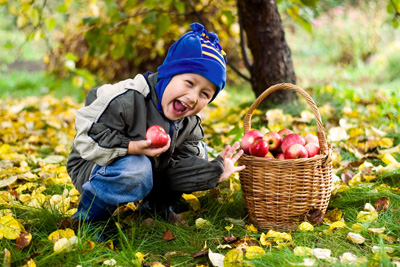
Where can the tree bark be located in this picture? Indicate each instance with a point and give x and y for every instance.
(271, 57)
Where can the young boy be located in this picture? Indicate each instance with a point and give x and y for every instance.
(112, 163)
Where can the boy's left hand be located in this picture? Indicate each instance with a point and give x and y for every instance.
(230, 160)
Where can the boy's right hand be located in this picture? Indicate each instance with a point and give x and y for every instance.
(144, 147)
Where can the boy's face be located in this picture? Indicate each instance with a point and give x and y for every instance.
(186, 95)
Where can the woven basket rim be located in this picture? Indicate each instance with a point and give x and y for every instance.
(325, 148)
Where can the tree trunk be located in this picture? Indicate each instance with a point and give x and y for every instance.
(271, 58)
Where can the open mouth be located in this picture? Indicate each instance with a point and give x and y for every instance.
(180, 107)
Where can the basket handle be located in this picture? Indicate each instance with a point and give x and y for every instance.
(285, 86)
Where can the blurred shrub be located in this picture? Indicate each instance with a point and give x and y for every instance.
(117, 40)
(351, 37)
(390, 62)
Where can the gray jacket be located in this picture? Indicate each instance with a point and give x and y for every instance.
(116, 114)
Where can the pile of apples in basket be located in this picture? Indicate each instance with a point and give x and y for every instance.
(284, 144)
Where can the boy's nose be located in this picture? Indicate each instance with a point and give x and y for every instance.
(192, 98)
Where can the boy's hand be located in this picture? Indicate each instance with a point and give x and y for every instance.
(144, 147)
(230, 160)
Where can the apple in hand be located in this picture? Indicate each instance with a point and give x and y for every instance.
(292, 139)
(311, 138)
(259, 148)
(249, 138)
(274, 140)
(157, 135)
(312, 149)
(296, 151)
(285, 132)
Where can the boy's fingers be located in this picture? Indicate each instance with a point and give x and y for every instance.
(225, 151)
(145, 143)
(235, 145)
(240, 168)
(238, 155)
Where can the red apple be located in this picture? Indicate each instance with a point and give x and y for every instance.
(157, 135)
(311, 138)
(285, 132)
(280, 156)
(249, 138)
(312, 149)
(274, 140)
(292, 139)
(296, 151)
(259, 148)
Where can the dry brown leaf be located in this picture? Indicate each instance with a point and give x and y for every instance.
(200, 254)
(248, 241)
(230, 239)
(176, 219)
(23, 240)
(171, 254)
(382, 204)
(168, 235)
(315, 217)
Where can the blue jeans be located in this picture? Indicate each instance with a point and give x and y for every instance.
(127, 179)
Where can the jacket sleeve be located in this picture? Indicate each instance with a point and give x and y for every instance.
(100, 128)
(190, 170)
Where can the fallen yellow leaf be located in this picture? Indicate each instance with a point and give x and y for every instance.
(337, 225)
(192, 200)
(306, 226)
(228, 228)
(355, 238)
(321, 253)
(58, 234)
(377, 230)
(388, 159)
(10, 228)
(202, 223)
(250, 228)
(333, 215)
(233, 257)
(65, 244)
(254, 252)
(348, 258)
(389, 250)
(7, 257)
(367, 216)
(30, 263)
(216, 259)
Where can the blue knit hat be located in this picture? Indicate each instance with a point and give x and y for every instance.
(195, 52)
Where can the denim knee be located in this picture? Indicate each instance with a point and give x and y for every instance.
(137, 166)
(127, 179)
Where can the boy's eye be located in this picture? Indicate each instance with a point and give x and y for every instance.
(206, 94)
(189, 82)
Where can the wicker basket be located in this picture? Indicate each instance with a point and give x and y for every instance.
(278, 194)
